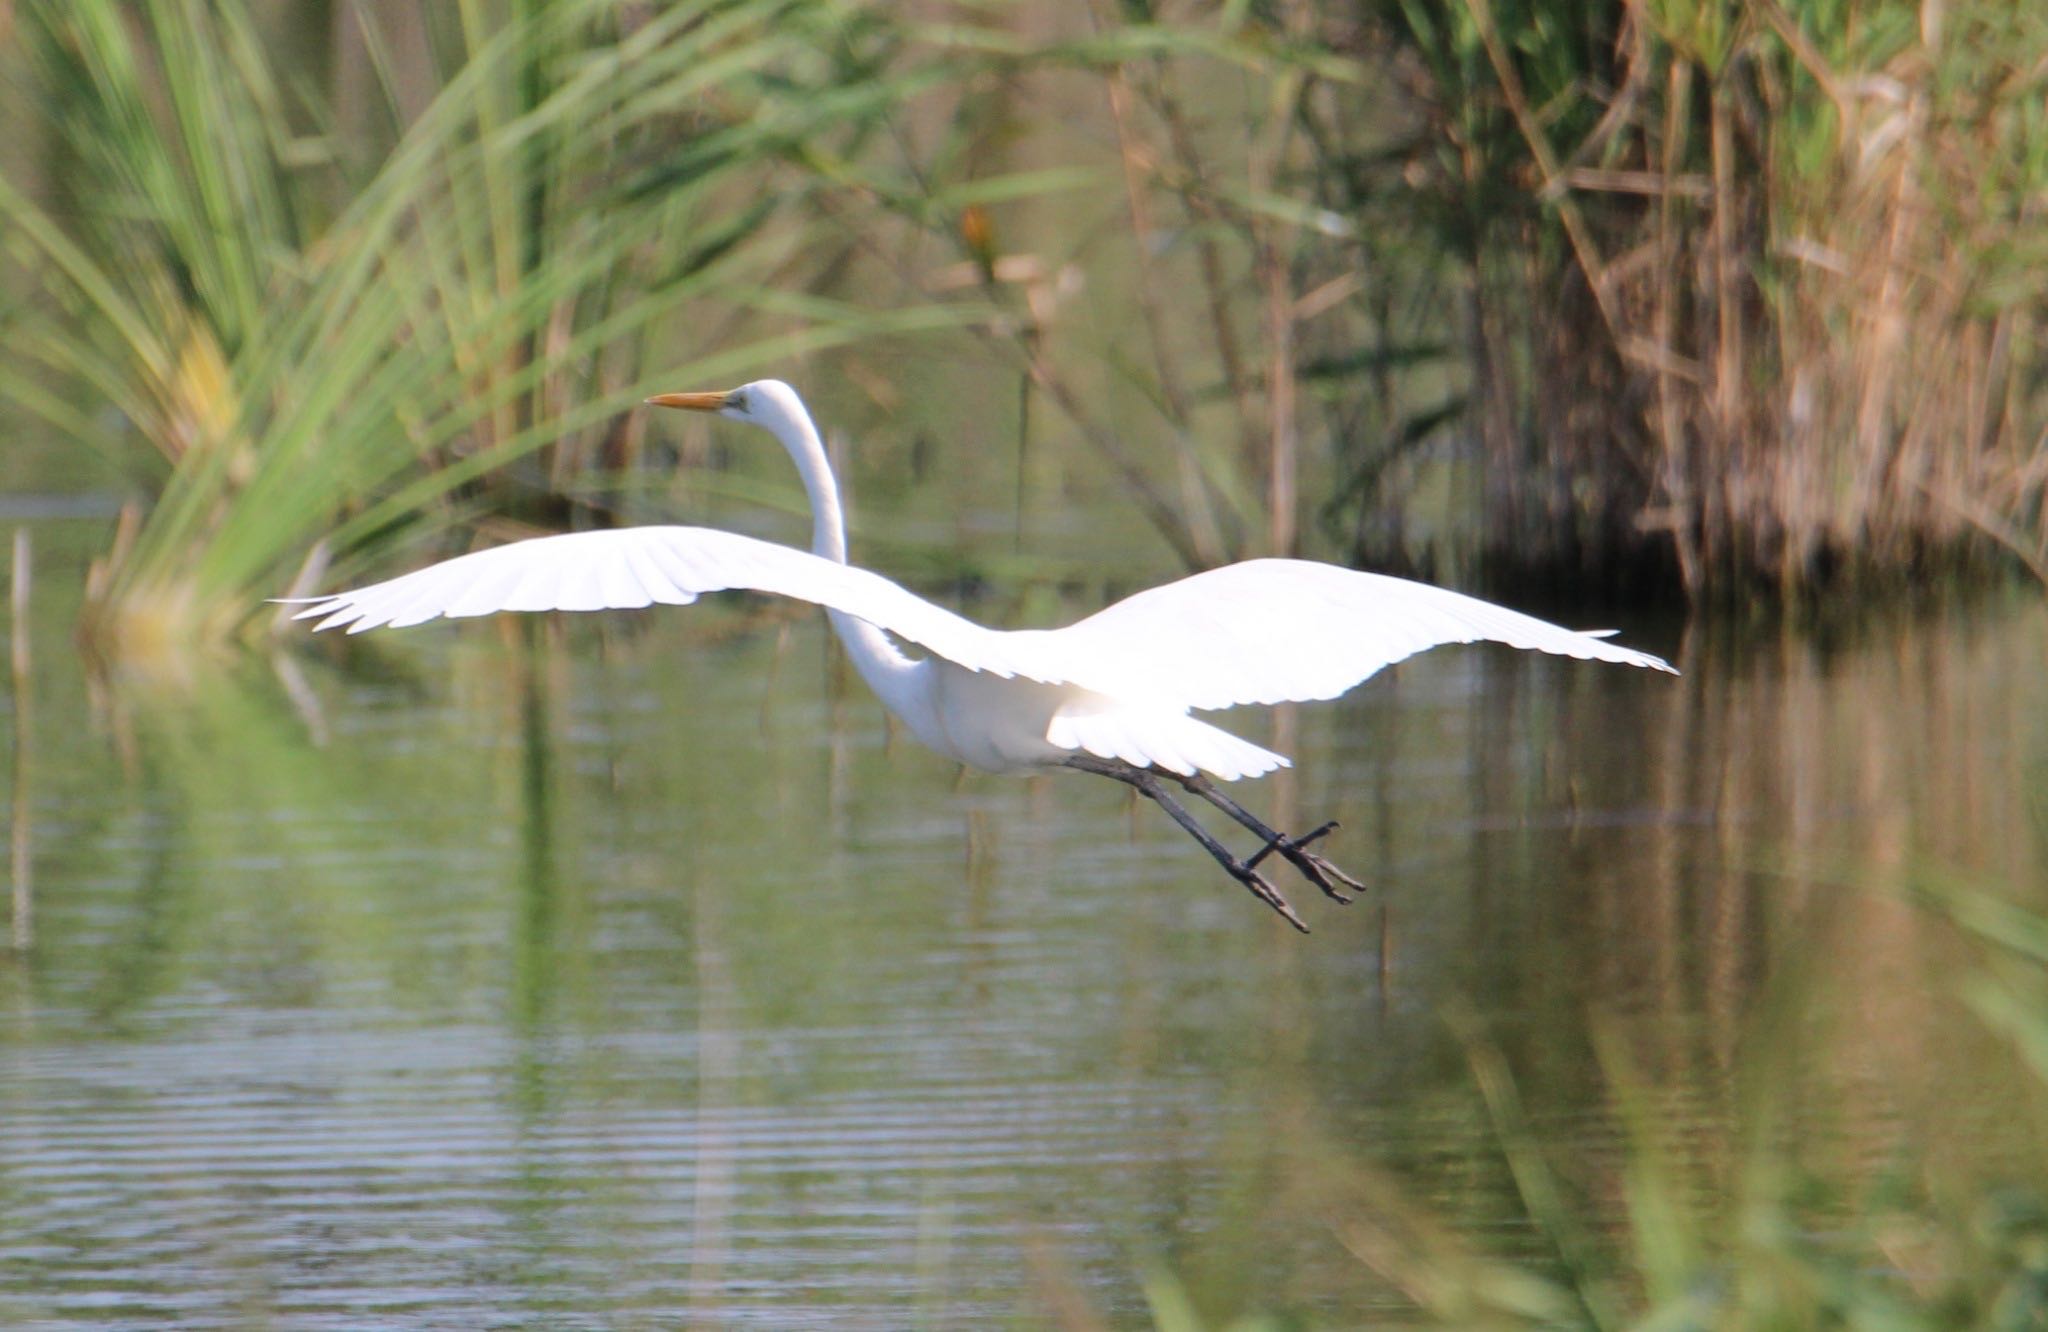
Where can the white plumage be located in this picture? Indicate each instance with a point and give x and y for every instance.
(1119, 685)
(1264, 631)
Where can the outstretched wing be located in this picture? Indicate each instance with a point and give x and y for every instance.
(1272, 631)
(1265, 631)
(630, 567)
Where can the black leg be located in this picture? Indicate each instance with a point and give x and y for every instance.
(1313, 867)
(1147, 782)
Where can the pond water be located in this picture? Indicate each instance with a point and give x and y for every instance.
(632, 973)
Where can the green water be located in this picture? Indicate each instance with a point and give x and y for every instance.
(629, 973)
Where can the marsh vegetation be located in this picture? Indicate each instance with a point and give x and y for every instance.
(1680, 297)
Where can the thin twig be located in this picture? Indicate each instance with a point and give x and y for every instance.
(1203, 206)
(1195, 495)
(1583, 248)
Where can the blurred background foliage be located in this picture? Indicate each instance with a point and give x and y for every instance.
(1659, 296)
(1728, 302)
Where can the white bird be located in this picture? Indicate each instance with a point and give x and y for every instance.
(1113, 694)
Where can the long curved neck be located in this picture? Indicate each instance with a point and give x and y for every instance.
(888, 672)
(828, 516)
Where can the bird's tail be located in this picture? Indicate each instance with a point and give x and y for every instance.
(1162, 739)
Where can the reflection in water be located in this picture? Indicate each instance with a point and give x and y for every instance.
(20, 835)
(648, 985)
(534, 970)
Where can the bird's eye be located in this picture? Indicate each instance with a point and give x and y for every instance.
(738, 403)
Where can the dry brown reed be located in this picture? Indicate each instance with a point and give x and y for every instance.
(1753, 295)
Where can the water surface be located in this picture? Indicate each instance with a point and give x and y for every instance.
(631, 972)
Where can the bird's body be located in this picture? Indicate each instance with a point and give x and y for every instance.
(1113, 694)
(985, 721)
(1016, 726)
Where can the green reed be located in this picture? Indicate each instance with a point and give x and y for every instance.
(1715, 294)
(326, 359)
(1747, 1233)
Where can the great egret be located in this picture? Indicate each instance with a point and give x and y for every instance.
(1111, 695)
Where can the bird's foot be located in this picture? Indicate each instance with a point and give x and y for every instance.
(1316, 869)
(1148, 782)
(1264, 891)
(1320, 872)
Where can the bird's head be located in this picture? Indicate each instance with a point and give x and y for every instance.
(764, 402)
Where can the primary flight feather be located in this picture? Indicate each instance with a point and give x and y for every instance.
(1111, 694)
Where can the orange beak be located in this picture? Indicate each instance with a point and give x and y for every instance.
(690, 402)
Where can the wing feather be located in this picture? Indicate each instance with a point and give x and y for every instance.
(651, 576)
(1163, 738)
(1265, 631)
(496, 588)
(672, 570)
(622, 588)
(1271, 631)
(582, 585)
(627, 568)
(422, 603)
